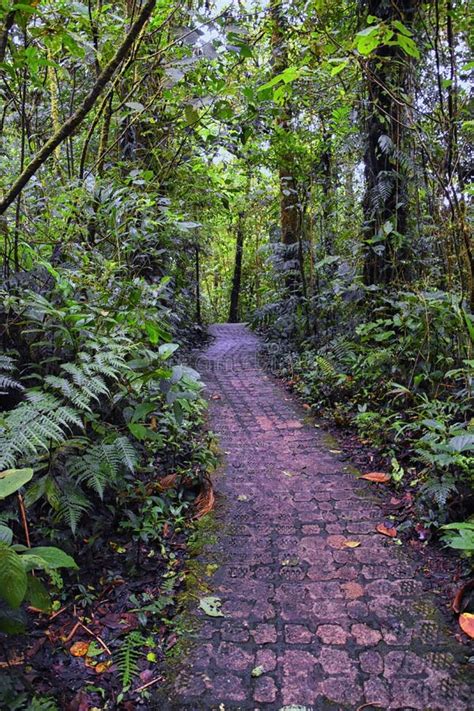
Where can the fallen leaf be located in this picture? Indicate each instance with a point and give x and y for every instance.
(378, 477)
(204, 503)
(211, 606)
(458, 598)
(257, 671)
(290, 562)
(242, 497)
(306, 406)
(216, 397)
(385, 531)
(79, 649)
(466, 622)
(351, 544)
(288, 473)
(167, 482)
(103, 666)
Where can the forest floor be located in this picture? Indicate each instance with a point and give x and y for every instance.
(305, 604)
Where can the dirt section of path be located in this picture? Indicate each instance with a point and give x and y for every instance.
(308, 621)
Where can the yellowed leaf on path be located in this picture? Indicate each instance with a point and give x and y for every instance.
(79, 649)
(103, 666)
(377, 477)
(385, 531)
(351, 544)
(466, 622)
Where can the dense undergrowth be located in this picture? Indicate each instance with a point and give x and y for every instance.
(102, 430)
(402, 375)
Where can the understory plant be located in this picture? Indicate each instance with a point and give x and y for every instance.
(404, 378)
(94, 408)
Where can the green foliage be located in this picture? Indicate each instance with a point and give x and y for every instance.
(128, 655)
(460, 536)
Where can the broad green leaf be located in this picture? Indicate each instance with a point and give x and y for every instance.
(13, 479)
(37, 595)
(6, 535)
(339, 67)
(408, 46)
(191, 115)
(12, 621)
(462, 443)
(401, 28)
(13, 580)
(152, 332)
(367, 43)
(167, 350)
(53, 557)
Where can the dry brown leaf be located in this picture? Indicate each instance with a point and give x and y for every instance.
(466, 622)
(378, 477)
(167, 482)
(79, 649)
(351, 544)
(204, 503)
(153, 424)
(458, 598)
(385, 531)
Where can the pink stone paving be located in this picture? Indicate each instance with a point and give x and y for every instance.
(307, 622)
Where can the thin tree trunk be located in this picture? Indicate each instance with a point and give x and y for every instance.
(237, 277)
(289, 210)
(7, 25)
(198, 288)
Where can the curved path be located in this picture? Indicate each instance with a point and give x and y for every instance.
(321, 625)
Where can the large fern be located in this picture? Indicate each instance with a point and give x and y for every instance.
(102, 463)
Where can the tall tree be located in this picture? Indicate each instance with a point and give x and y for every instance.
(386, 201)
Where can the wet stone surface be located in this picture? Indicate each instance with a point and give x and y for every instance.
(320, 625)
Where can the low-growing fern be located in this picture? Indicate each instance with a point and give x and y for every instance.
(102, 463)
(128, 655)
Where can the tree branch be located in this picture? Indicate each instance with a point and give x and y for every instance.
(74, 121)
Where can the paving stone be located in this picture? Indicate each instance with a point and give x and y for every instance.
(297, 634)
(330, 627)
(332, 634)
(265, 690)
(264, 634)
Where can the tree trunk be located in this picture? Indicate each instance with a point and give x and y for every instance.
(237, 277)
(385, 202)
(290, 222)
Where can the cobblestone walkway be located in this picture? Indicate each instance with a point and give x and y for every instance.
(321, 625)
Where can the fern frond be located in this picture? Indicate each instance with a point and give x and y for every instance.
(128, 655)
(72, 505)
(7, 384)
(440, 490)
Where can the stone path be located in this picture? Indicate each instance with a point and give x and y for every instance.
(327, 626)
